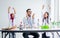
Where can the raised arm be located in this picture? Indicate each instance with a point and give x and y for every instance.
(9, 9)
(14, 11)
(43, 7)
(33, 16)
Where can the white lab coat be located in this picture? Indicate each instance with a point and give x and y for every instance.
(47, 23)
(28, 21)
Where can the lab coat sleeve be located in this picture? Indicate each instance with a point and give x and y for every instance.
(25, 21)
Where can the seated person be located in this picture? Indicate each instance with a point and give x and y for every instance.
(29, 20)
(45, 21)
(11, 22)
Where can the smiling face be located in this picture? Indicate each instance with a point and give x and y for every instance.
(29, 12)
(46, 14)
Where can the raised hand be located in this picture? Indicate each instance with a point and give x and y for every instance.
(33, 16)
(9, 9)
(14, 11)
(43, 7)
(49, 6)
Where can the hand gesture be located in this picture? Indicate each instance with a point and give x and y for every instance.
(14, 11)
(33, 16)
(9, 9)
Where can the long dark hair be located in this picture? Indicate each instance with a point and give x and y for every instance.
(46, 17)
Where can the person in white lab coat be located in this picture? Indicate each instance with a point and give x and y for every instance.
(45, 21)
(11, 17)
(29, 21)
